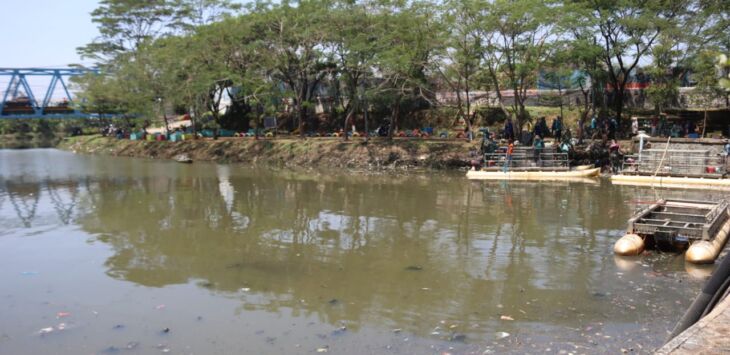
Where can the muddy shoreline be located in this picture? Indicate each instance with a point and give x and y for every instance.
(377, 154)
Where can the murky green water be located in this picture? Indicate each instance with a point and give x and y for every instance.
(238, 260)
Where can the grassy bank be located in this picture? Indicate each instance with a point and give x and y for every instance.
(316, 152)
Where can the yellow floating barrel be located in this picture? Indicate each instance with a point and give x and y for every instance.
(629, 245)
(705, 252)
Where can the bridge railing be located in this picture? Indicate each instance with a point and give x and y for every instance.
(19, 100)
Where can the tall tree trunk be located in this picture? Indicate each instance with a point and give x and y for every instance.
(521, 117)
(619, 104)
(259, 123)
(164, 118)
(348, 119)
(302, 119)
(394, 112)
(468, 115)
(365, 118)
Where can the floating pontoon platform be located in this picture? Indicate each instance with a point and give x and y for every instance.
(527, 164)
(675, 168)
(544, 174)
(677, 182)
(700, 227)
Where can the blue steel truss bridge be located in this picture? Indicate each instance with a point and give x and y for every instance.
(19, 100)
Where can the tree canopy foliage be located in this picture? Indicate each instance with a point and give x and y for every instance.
(396, 57)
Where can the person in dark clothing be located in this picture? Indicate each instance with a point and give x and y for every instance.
(538, 145)
(558, 127)
(509, 132)
(383, 129)
(536, 128)
(612, 126)
(537, 131)
(488, 148)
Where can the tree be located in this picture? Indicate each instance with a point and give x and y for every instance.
(292, 39)
(627, 31)
(124, 25)
(664, 89)
(558, 74)
(517, 36)
(711, 72)
(460, 66)
(410, 39)
(101, 94)
(353, 41)
(191, 14)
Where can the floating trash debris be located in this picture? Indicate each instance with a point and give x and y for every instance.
(163, 347)
(502, 335)
(110, 350)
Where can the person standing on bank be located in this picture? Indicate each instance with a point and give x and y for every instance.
(634, 126)
(510, 150)
(538, 145)
(558, 127)
(509, 132)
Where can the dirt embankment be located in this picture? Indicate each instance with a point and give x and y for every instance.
(315, 152)
(24, 141)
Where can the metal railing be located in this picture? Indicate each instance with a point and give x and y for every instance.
(676, 164)
(526, 159)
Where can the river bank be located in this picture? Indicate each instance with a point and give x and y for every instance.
(25, 141)
(377, 154)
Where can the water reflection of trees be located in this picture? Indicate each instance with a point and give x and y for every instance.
(300, 241)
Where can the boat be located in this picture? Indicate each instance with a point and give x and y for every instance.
(576, 174)
(699, 227)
